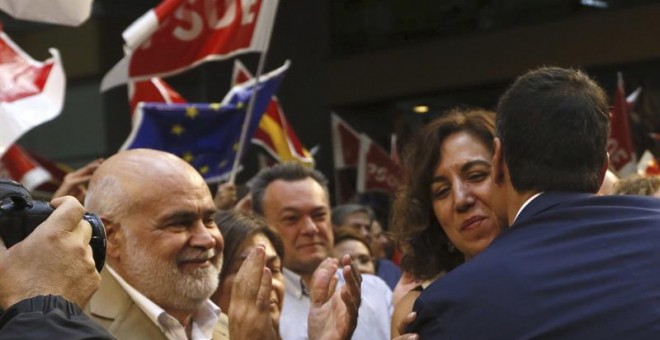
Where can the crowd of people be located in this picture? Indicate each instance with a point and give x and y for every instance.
(508, 223)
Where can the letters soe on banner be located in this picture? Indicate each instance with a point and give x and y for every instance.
(178, 35)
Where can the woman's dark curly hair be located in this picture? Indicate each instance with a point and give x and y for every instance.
(424, 244)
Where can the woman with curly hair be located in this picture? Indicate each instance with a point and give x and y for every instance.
(442, 215)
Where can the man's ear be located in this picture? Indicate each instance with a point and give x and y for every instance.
(604, 167)
(498, 163)
(113, 236)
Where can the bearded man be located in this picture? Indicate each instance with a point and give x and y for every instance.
(164, 249)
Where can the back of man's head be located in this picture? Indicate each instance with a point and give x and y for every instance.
(553, 125)
(288, 172)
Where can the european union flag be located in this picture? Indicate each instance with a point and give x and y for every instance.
(206, 135)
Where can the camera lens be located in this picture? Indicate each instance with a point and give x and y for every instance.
(20, 215)
(98, 240)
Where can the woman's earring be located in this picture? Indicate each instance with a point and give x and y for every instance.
(451, 247)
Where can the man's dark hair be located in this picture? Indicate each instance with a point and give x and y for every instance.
(553, 124)
(289, 172)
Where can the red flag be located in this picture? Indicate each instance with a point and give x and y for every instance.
(345, 151)
(376, 169)
(278, 138)
(648, 165)
(153, 90)
(345, 143)
(240, 73)
(632, 98)
(274, 133)
(619, 143)
(178, 35)
(19, 166)
(63, 12)
(31, 92)
(394, 150)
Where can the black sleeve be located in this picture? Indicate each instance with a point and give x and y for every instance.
(48, 317)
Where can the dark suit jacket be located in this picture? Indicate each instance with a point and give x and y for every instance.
(572, 266)
(112, 308)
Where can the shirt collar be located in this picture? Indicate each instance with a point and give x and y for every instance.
(294, 284)
(529, 200)
(204, 319)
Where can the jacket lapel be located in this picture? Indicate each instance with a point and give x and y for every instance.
(221, 329)
(113, 308)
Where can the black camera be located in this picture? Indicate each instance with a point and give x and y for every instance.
(20, 215)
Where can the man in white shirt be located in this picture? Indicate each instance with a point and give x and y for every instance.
(164, 249)
(295, 201)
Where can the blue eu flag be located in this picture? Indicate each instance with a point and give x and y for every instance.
(206, 135)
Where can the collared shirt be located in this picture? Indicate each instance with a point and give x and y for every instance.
(373, 316)
(203, 321)
(524, 205)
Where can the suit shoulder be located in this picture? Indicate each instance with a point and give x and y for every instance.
(471, 275)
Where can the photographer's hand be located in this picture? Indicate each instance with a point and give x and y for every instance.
(55, 259)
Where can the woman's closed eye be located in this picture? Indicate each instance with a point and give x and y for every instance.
(440, 191)
(478, 176)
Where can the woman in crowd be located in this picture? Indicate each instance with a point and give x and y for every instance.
(442, 215)
(241, 234)
(349, 241)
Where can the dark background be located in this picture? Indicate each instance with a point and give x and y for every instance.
(370, 61)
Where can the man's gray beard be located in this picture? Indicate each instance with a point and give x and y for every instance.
(164, 284)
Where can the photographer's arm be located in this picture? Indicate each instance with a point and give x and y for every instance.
(48, 317)
(55, 259)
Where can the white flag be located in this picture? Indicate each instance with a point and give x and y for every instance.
(63, 12)
(31, 92)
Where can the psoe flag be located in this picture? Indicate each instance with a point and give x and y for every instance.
(63, 12)
(345, 151)
(178, 35)
(619, 144)
(377, 171)
(31, 92)
(206, 135)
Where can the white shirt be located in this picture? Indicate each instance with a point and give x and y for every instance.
(203, 321)
(524, 205)
(373, 316)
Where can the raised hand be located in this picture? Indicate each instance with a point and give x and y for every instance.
(402, 328)
(225, 196)
(75, 182)
(249, 309)
(333, 314)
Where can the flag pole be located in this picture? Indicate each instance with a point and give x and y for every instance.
(246, 122)
(250, 108)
